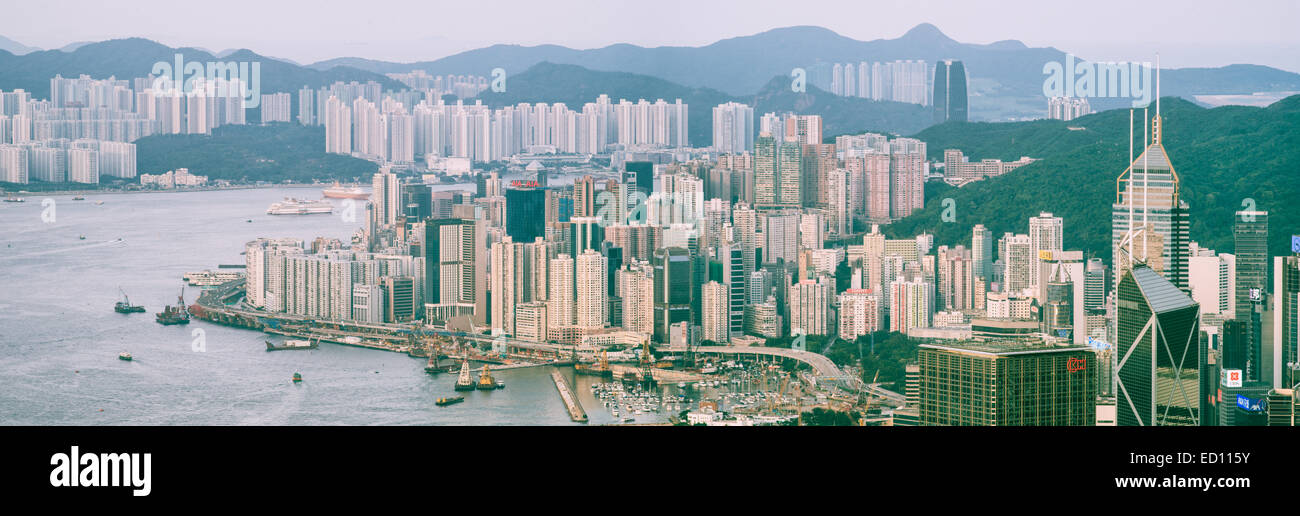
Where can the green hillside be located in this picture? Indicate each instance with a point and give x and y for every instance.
(1223, 156)
(274, 153)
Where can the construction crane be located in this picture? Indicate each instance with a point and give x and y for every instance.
(866, 404)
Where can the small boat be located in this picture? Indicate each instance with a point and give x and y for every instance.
(124, 356)
(442, 402)
(297, 377)
(99, 203)
(14, 199)
(81, 237)
(78, 198)
(125, 307)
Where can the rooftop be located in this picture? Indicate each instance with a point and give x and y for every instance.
(1002, 348)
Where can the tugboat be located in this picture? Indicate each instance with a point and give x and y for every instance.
(124, 356)
(297, 378)
(442, 402)
(177, 314)
(485, 381)
(464, 382)
(125, 307)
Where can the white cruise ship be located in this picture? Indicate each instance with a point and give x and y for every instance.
(291, 206)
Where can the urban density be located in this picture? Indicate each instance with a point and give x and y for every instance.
(687, 256)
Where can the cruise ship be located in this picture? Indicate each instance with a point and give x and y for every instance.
(337, 191)
(291, 206)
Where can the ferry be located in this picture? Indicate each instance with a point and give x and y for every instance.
(442, 402)
(291, 206)
(290, 345)
(14, 199)
(337, 191)
(124, 356)
(211, 279)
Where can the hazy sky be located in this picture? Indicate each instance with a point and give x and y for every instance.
(1186, 33)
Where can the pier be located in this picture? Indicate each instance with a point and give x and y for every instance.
(570, 399)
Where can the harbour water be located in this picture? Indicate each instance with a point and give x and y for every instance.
(60, 338)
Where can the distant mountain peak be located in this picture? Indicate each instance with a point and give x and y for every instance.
(926, 32)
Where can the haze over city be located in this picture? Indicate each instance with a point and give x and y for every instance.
(1199, 33)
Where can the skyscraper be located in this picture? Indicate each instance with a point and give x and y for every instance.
(1006, 384)
(592, 299)
(1250, 236)
(982, 252)
(672, 289)
(525, 213)
(1157, 349)
(1149, 220)
(1045, 234)
(715, 312)
(950, 101)
(733, 128)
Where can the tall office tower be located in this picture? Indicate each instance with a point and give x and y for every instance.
(715, 312)
(275, 107)
(956, 279)
(735, 277)
(636, 287)
(1019, 260)
(803, 129)
(1059, 302)
(1045, 234)
(839, 204)
(385, 196)
(525, 213)
(455, 278)
(640, 174)
(306, 107)
(1286, 320)
(399, 298)
(1157, 335)
(672, 290)
(746, 230)
(982, 251)
(907, 173)
(950, 101)
(911, 304)
(1250, 235)
(1095, 285)
(809, 306)
(584, 197)
(818, 162)
(1211, 277)
(560, 292)
(592, 300)
(586, 233)
(782, 232)
(508, 283)
(859, 313)
(1147, 194)
(1007, 384)
(733, 128)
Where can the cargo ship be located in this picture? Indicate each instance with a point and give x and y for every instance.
(338, 191)
(291, 206)
(175, 314)
(291, 345)
(442, 402)
(125, 307)
(464, 382)
(485, 381)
